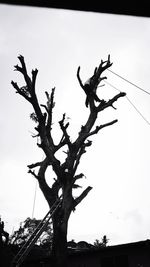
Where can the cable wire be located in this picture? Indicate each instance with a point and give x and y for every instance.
(35, 193)
(137, 110)
(129, 82)
(34, 198)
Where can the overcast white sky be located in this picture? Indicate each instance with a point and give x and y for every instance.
(117, 165)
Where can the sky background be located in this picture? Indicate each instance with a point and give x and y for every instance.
(117, 165)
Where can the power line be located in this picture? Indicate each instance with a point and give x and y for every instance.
(34, 198)
(35, 192)
(129, 82)
(137, 110)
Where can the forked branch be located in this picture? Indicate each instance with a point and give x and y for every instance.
(91, 85)
(64, 127)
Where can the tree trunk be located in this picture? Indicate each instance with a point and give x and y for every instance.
(60, 228)
(59, 248)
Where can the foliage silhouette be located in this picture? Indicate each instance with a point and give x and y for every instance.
(26, 229)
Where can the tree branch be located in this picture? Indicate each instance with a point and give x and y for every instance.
(91, 85)
(43, 167)
(78, 157)
(33, 173)
(60, 144)
(28, 91)
(44, 163)
(80, 153)
(110, 102)
(79, 79)
(50, 193)
(45, 188)
(50, 106)
(49, 109)
(103, 66)
(77, 177)
(64, 130)
(55, 187)
(34, 75)
(20, 91)
(46, 142)
(23, 70)
(34, 165)
(82, 196)
(98, 128)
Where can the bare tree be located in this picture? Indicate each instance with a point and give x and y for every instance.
(66, 174)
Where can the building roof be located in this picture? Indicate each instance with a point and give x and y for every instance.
(127, 246)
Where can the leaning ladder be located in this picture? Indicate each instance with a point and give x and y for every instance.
(24, 251)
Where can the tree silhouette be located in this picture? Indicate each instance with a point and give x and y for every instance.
(100, 244)
(66, 175)
(26, 229)
(3, 234)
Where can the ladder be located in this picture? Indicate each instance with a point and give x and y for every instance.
(25, 249)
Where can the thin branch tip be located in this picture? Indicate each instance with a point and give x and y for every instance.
(20, 57)
(123, 94)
